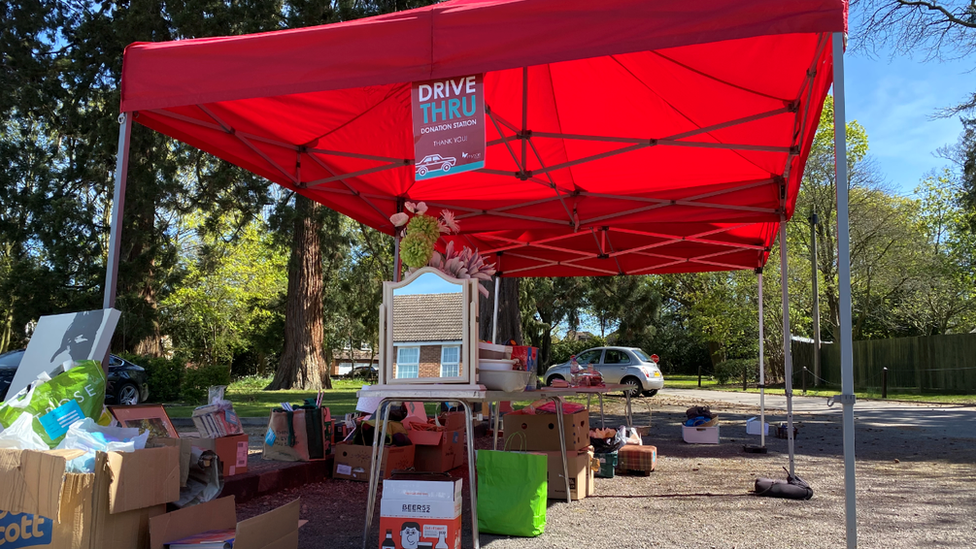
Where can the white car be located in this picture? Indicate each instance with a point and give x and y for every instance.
(435, 162)
(624, 365)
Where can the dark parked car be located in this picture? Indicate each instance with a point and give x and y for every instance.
(126, 381)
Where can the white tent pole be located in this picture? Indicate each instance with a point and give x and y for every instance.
(787, 354)
(118, 205)
(762, 367)
(494, 314)
(396, 256)
(844, 276)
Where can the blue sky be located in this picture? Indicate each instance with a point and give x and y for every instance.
(896, 100)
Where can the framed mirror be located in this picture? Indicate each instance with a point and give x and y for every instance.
(428, 329)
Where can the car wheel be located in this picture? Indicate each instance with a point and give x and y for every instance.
(446, 167)
(650, 393)
(422, 171)
(634, 384)
(551, 378)
(127, 395)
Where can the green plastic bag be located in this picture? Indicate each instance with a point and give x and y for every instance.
(55, 404)
(512, 493)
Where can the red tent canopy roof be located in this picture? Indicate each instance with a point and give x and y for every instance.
(637, 137)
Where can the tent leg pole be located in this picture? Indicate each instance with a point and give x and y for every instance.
(787, 354)
(494, 314)
(762, 366)
(118, 205)
(844, 276)
(396, 257)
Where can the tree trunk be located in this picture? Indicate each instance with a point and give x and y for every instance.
(303, 364)
(509, 314)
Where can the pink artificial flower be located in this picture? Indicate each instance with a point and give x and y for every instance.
(421, 208)
(399, 219)
(448, 217)
(410, 206)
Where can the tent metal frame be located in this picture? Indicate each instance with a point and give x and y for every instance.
(525, 136)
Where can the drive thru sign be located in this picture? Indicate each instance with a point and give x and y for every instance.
(448, 126)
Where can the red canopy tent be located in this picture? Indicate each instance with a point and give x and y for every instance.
(639, 138)
(624, 137)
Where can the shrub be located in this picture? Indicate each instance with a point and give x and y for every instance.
(731, 370)
(197, 380)
(164, 376)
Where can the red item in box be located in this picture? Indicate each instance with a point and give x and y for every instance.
(528, 357)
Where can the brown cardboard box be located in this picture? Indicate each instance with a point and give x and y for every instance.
(108, 509)
(440, 451)
(232, 451)
(277, 529)
(447, 454)
(580, 475)
(183, 445)
(541, 435)
(352, 460)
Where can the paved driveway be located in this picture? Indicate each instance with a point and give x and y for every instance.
(950, 420)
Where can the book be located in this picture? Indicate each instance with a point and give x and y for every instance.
(211, 539)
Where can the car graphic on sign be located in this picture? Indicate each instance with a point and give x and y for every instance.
(435, 162)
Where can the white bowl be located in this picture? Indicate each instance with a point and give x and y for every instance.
(497, 365)
(512, 381)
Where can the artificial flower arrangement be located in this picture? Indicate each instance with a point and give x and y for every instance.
(421, 235)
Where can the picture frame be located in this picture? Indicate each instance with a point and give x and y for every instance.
(148, 417)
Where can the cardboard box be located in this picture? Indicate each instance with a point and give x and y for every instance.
(580, 475)
(423, 486)
(446, 455)
(108, 509)
(182, 445)
(700, 435)
(417, 512)
(232, 451)
(277, 529)
(352, 461)
(541, 434)
(404, 530)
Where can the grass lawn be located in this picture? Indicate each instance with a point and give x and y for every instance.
(691, 382)
(250, 400)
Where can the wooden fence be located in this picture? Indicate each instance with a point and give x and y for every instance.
(925, 364)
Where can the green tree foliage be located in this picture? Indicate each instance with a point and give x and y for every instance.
(229, 286)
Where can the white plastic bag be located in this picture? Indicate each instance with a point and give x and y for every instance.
(91, 437)
(21, 436)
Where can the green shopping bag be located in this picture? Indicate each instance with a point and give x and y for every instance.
(512, 493)
(55, 404)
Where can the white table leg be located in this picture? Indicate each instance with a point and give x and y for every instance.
(560, 424)
(472, 480)
(375, 464)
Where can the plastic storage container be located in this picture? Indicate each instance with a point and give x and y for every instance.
(511, 381)
(497, 365)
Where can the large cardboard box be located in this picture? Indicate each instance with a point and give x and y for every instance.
(439, 451)
(43, 506)
(541, 434)
(581, 483)
(277, 529)
(447, 454)
(352, 461)
(421, 513)
(232, 451)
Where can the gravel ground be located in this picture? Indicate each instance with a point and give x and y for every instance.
(916, 488)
